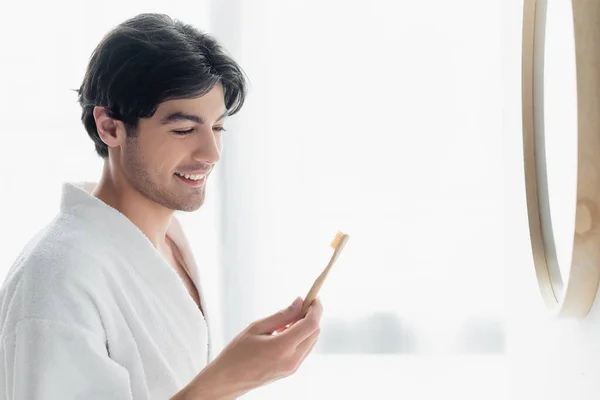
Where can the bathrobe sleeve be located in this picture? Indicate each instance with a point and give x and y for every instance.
(44, 359)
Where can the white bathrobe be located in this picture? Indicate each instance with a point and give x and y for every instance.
(91, 310)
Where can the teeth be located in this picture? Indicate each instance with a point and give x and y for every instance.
(191, 177)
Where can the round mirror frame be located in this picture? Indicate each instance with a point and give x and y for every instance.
(576, 298)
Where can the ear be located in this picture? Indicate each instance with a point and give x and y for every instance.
(111, 131)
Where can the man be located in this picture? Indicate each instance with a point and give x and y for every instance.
(106, 302)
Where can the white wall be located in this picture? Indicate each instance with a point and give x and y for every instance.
(549, 358)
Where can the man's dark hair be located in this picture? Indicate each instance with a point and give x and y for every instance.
(150, 59)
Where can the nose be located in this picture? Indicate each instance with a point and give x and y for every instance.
(207, 147)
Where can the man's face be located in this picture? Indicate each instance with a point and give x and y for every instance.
(183, 137)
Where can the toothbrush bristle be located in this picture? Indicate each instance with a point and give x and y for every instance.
(336, 241)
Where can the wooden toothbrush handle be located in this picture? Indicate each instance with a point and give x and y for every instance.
(314, 290)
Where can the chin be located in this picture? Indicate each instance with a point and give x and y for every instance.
(191, 204)
(190, 207)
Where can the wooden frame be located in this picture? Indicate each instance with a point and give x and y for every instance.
(576, 298)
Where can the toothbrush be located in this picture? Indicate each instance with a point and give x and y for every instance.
(337, 244)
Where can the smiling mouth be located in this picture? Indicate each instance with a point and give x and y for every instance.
(192, 177)
(194, 180)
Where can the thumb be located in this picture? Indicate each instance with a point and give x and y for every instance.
(280, 318)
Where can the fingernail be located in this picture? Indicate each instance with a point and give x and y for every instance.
(296, 303)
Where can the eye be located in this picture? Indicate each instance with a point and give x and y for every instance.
(219, 129)
(184, 132)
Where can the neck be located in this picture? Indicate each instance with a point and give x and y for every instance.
(151, 218)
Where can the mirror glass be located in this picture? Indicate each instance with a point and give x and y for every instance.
(560, 132)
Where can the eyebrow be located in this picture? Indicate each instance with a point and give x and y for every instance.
(181, 116)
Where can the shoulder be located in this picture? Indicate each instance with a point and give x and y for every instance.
(55, 277)
(65, 250)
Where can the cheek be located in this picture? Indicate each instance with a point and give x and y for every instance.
(160, 159)
(166, 161)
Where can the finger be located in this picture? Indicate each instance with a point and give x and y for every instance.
(283, 328)
(305, 327)
(308, 343)
(307, 347)
(310, 350)
(306, 305)
(279, 319)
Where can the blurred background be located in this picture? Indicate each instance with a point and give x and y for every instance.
(382, 119)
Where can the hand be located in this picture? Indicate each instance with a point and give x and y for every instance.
(257, 356)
